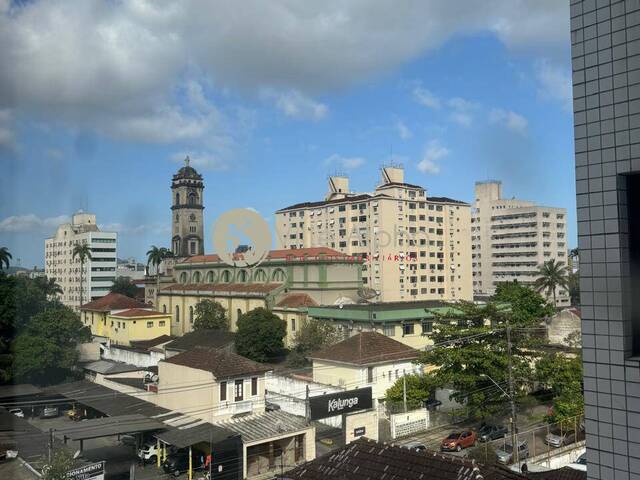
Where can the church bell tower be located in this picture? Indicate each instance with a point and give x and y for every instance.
(187, 209)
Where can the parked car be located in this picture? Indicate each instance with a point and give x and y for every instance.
(149, 452)
(580, 463)
(490, 432)
(505, 454)
(49, 412)
(178, 463)
(17, 412)
(557, 438)
(459, 440)
(417, 446)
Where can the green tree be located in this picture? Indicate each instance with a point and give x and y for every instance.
(124, 286)
(61, 462)
(210, 315)
(49, 286)
(260, 335)
(312, 336)
(82, 252)
(155, 257)
(45, 351)
(5, 257)
(525, 304)
(563, 375)
(573, 285)
(552, 275)
(419, 388)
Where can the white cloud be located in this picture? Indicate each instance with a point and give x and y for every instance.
(347, 163)
(434, 151)
(461, 104)
(508, 119)
(461, 118)
(296, 105)
(426, 98)
(554, 82)
(404, 132)
(140, 229)
(31, 223)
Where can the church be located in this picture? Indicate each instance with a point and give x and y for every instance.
(287, 281)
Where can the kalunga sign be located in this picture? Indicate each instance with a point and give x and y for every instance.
(338, 403)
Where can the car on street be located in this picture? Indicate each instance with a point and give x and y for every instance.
(459, 440)
(416, 446)
(17, 412)
(558, 438)
(488, 432)
(505, 454)
(178, 463)
(580, 463)
(148, 452)
(49, 412)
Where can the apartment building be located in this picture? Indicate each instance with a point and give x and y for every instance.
(511, 238)
(99, 271)
(415, 247)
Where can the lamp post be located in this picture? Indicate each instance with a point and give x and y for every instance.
(514, 434)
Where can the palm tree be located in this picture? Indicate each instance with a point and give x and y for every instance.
(5, 256)
(552, 276)
(82, 252)
(155, 257)
(49, 286)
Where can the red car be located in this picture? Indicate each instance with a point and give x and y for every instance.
(459, 440)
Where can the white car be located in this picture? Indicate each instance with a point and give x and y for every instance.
(580, 463)
(17, 412)
(149, 452)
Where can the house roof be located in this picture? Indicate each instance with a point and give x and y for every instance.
(201, 338)
(281, 254)
(322, 203)
(446, 200)
(365, 460)
(220, 363)
(113, 301)
(297, 300)
(139, 312)
(367, 348)
(565, 473)
(17, 390)
(146, 344)
(265, 425)
(256, 288)
(108, 367)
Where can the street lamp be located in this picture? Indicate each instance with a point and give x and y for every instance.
(514, 433)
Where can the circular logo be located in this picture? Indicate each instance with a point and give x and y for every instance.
(241, 237)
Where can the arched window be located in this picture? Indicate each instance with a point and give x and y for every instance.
(196, 277)
(278, 275)
(192, 198)
(209, 278)
(238, 313)
(260, 276)
(226, 276)
(191, 314)
(164, 309)
(242, 276)
(177, 199)
(177, 314)
(183, 277)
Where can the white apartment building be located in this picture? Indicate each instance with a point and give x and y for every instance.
(416, 247)
(511, 238)
(99, 272)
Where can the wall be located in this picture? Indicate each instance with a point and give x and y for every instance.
(561, 325)
(558, 457)
(132, 357)
(404, 424)
(367, 420)
(123, 330)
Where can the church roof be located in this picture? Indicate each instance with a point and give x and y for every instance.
(187, 172)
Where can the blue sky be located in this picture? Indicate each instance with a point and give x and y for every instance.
(268, 103)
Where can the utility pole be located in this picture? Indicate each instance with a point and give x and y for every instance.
(50, 449)
(404, 392)
(514, 424)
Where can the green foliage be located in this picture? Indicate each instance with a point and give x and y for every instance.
(210, 315)
(419, 388)
(45, 351)
(61, 462)
(552, 275)
(124, 286)
(567, 407)
(573, 285)
(311, 336)
(5, 258)
(563, 375)
(156, 255)
(527, 305)
(260, 335)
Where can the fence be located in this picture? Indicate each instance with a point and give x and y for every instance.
(403, 424)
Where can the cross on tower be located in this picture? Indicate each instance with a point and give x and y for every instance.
(186, 161)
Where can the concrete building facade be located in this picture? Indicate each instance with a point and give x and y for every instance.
(606, 97)
(99, 271)
(511, 238)
(416, 247)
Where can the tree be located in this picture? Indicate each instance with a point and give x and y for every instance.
(5, 256)
(419, 389)
(155, 257)
(312, 336)
(210, 315)
(563, 375)
(49, 286)
(526, 305)
(61, 462)
(82, 252)
(45, 351)
(573, 285)
(124, 286)
(260, 335)
(553, 275)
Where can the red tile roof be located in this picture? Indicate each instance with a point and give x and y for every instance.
(282, 254)
(297, 300)
(113, 301)
(367, 348)
(138, 312)
(221, 363)
(223, 287)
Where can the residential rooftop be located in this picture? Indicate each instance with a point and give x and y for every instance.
(113, 301)
(207, 338)
(220, 363)
(367, 348)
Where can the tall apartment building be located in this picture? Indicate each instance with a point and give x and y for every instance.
(606, 101)
(511, 238)
(99, 272)
(416, 247)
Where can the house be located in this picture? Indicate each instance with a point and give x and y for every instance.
(218, 339)
(366, 359)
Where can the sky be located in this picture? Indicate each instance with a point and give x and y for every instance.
(100, 101)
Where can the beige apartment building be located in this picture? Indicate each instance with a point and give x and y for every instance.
(416, 247)
(99, 271)
(511, 238)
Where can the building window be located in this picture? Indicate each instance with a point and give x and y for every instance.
(293, 324)
(369, 374)
(191, 314)
(238, 314)
(239, 390)
(407, 329)
(192, 248)
(149, 324)
(162, 323)
(389, 330)
(223, 391)
(254, 386)
(177, 314)
(427, 326)
(164, 309)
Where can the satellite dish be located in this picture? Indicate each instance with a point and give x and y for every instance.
(366, 293)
